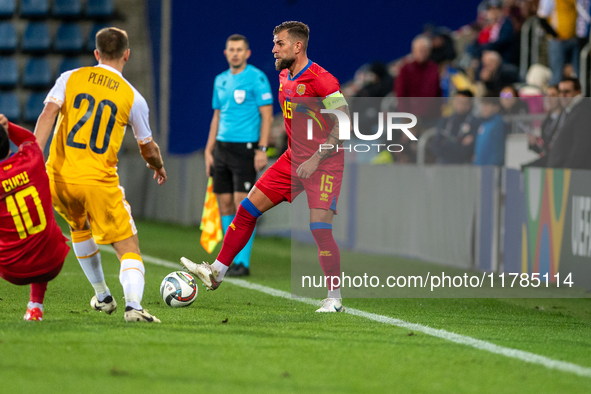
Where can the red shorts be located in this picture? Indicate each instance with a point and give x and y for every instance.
(281, 183)
(46, 277)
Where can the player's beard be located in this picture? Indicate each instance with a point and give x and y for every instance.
(282, 64)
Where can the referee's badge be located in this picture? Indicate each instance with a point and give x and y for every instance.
(239, 96)
(301, 89)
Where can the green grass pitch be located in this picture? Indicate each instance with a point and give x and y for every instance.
(244, 341)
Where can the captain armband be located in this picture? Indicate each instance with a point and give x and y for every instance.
(334, 100)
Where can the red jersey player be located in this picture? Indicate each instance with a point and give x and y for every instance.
(32, 247)
(302, 167)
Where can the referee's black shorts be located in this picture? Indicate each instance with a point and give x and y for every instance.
(233, 167)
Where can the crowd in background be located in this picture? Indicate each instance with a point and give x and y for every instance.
(476, 67)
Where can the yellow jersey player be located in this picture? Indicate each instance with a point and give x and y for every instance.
(93, 106)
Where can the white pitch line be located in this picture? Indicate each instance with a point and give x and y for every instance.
(528, 357)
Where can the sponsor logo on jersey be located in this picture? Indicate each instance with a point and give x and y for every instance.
(301, 89)
(239, 96)
(247, 185)
(325, 253)
(324, 197)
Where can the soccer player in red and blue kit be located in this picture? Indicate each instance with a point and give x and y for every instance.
(302, 167)
(32, 247)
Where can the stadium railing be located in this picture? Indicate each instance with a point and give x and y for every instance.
(531, 32)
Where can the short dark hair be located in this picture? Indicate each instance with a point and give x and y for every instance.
(111, 43)
(465, 93)
(238, 37)
(515, 91)
(575, 81)
(297, 30)
(4, 143)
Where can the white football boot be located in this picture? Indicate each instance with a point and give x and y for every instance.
(109, 305)
(132, 315)
(331, 305)
(202, 271)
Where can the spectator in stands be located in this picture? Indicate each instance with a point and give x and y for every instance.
(541, 144)
(495, 74)
(454, 142)
(501, 37)
(489, 148)
(583, 21)
(570, 145)
(528, 8)
(515, 12)
(442, 44)
(378, 81)
(511, 104)
(417, 86)
(558, 18)
(419, 77)
(536, 81)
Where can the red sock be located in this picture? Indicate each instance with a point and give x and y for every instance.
(328, 253)
(239, 232)
(38, 292)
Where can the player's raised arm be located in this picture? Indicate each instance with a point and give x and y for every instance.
(45, 123)
(17, 134)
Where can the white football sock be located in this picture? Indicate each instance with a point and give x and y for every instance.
(219, 270)
(89, 257)
(131, 277)
(336, 293)
(32, 305)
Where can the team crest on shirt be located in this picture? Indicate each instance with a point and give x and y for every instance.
(239, 96)
(301, 89)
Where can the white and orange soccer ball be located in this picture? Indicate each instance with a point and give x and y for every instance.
(178, 289)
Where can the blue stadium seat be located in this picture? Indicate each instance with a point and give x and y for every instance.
(7, 8)
(34, 8)
(34, 106)
(68, 38)
(67, 9)
(90, 45)
(9, 106)
(69, 63)
(8, 72)
(36, 38)
(99, 9)
(37, 73)
(8, 38)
